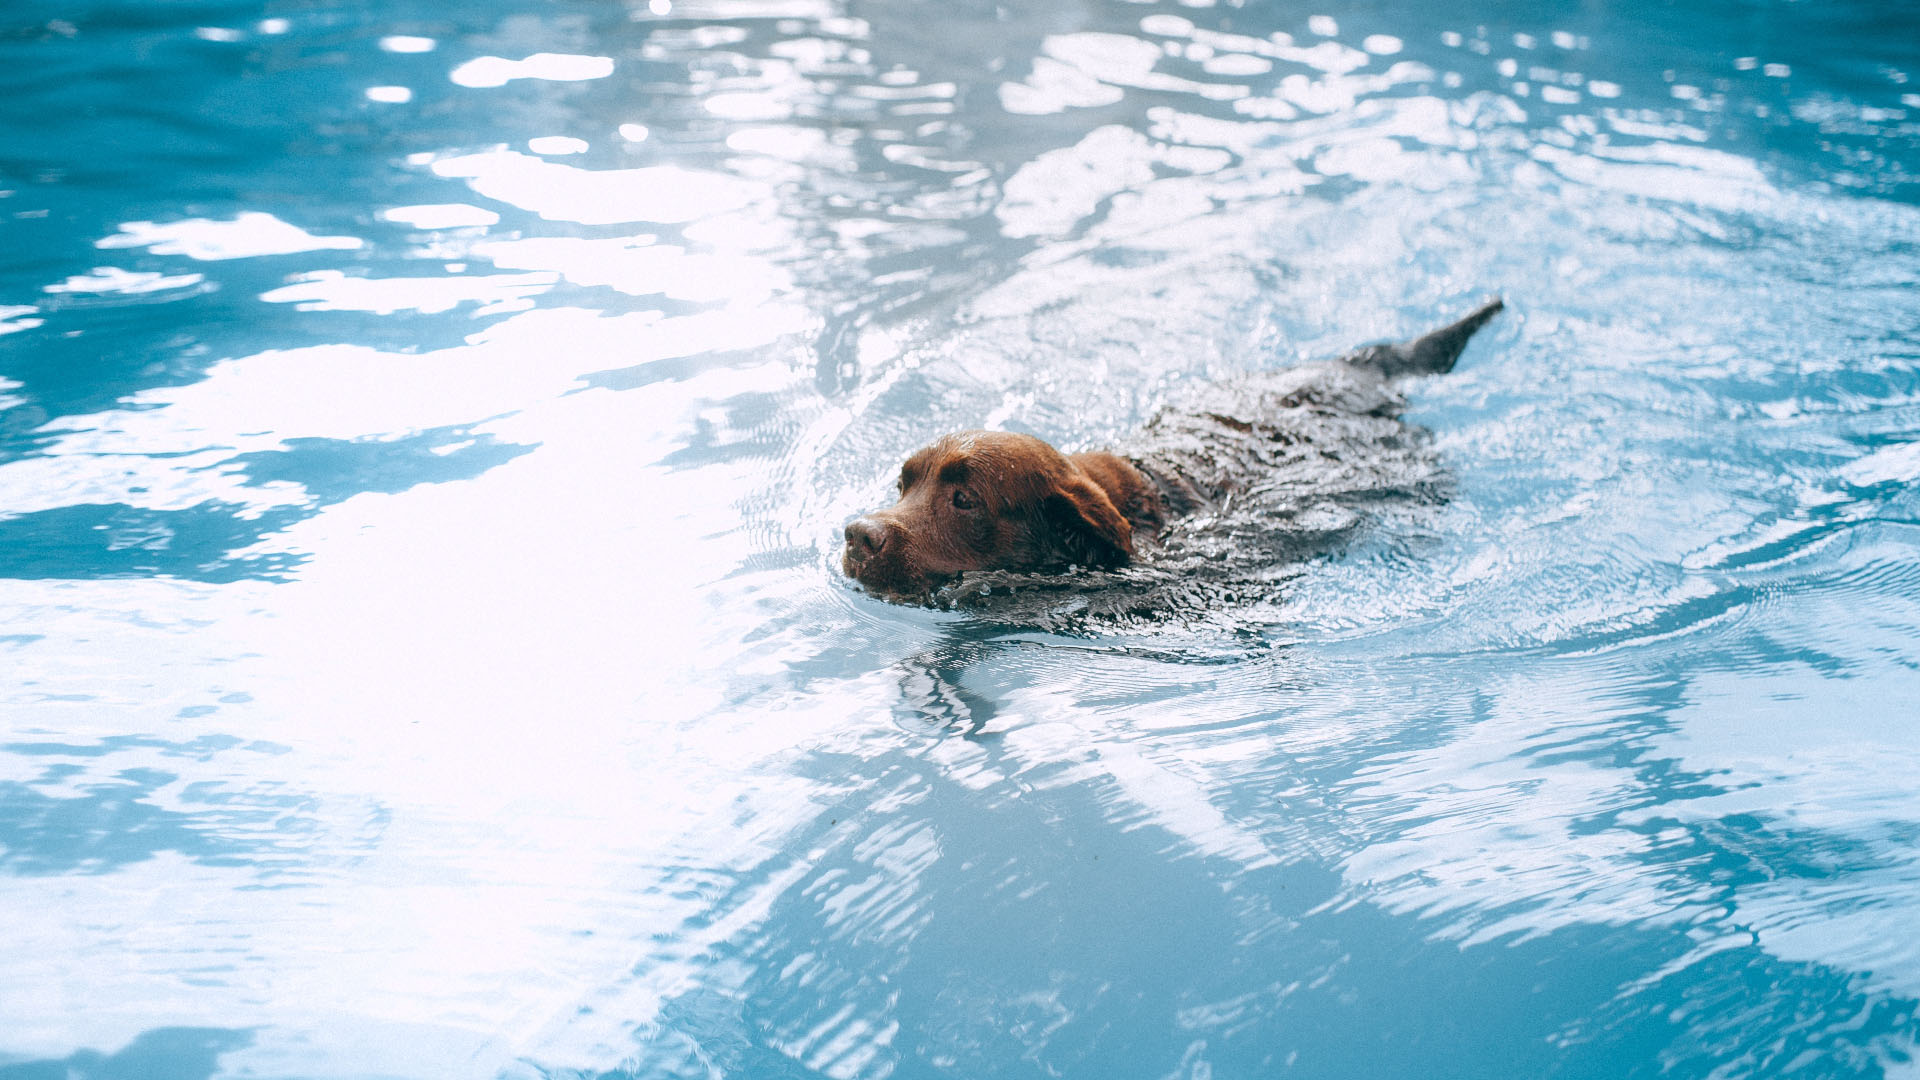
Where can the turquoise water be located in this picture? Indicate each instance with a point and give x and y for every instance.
(425, 430)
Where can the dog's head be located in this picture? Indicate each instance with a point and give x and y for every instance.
(986, 500)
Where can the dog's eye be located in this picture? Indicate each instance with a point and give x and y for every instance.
(962, 500)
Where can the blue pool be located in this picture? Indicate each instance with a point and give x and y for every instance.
(425, 430)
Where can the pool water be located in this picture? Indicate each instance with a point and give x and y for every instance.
(425, 430)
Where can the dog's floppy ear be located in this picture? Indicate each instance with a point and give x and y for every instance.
(1085, 526)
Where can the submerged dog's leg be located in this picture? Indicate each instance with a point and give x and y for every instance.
(1430, 354)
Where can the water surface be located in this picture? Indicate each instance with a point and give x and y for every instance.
(424, 431)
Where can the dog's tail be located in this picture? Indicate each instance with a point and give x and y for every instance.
(1431, 354)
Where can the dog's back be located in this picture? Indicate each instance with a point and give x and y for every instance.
(1250, 477)
(1327, 430)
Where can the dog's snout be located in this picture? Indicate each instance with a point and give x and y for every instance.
(865, 537)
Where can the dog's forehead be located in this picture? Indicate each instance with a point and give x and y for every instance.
(963, 444)
(961, 448)
(1005, 461)
(988, 446)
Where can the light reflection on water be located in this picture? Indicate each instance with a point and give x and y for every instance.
(422, 440)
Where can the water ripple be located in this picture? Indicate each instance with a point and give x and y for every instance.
(424, 439)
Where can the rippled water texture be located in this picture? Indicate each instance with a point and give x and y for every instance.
(424, 430)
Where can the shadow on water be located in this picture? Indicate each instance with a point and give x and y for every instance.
(934, 698)
(207, 542)
(954, 686)
(69, 821)
(117, 540)
(332, 470)
(171, 1053)
(112, 824)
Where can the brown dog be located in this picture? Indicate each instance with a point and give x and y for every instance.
(991, 500)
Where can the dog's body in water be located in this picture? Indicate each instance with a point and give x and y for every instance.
(1220, 497)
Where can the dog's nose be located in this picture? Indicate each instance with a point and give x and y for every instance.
(865, 537)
